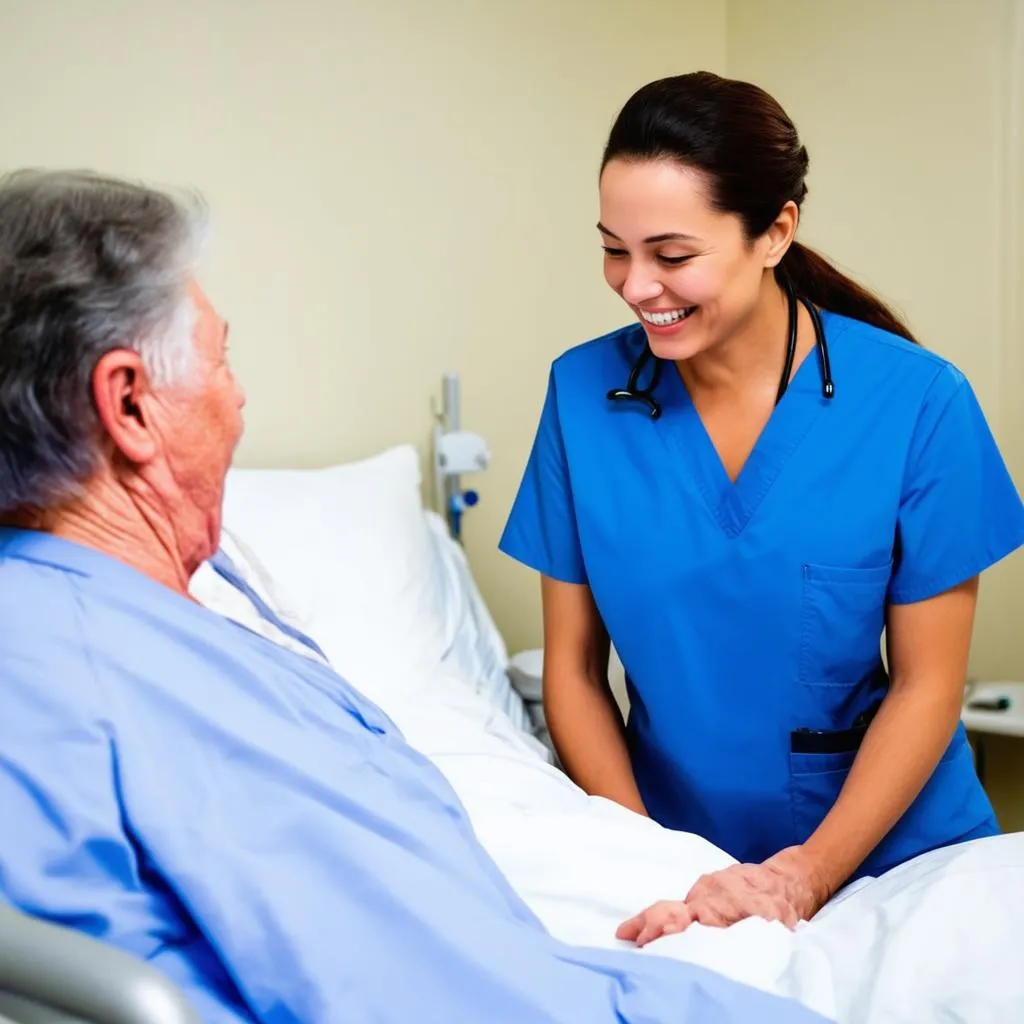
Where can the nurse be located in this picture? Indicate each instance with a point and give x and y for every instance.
(745, 517)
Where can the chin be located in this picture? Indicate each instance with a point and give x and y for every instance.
(204, 541)
(676, 349)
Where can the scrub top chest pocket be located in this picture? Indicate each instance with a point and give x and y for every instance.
(842, 617)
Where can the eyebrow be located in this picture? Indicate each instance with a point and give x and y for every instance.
(669, 236)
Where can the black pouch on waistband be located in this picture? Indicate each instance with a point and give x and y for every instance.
(832, 741)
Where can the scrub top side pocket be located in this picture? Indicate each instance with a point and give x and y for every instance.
(842, 616)
(952, 806)
(815, 783)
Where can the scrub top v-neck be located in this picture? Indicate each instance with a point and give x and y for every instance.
(748, 614)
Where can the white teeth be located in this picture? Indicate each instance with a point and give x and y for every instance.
(664, 319)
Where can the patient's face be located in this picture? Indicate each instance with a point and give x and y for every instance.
(204, 428)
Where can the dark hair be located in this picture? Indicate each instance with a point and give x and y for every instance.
(741, 139)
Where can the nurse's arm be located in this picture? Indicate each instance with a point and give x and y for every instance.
(928, 644)
(579, 707)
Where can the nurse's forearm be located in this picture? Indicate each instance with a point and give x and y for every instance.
(587, 731)
(899, 752)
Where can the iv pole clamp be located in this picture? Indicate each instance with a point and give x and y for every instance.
(456, 451)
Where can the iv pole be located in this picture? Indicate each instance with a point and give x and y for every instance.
(456, 451)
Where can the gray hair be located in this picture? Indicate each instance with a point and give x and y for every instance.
(87, 265)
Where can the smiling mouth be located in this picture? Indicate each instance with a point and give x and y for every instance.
(664, 319)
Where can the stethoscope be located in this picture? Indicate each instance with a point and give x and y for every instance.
(632, 390)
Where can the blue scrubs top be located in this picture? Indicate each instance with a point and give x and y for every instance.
(245, 820)
(744, 612)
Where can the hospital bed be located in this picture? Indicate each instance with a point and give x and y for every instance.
(351, 555)
(54, 975)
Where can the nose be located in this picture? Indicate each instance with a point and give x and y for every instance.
(640, 284)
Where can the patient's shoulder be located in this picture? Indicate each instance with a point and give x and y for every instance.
(37, 603)
(46, 674)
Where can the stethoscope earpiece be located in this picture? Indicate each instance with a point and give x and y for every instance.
(828, 389)
(645, 395)
(624, 393)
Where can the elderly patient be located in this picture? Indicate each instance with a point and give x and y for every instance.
(189, 791)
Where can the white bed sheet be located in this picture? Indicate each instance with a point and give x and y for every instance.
(938, 940)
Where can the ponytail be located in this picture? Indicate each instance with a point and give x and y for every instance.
(818, 281)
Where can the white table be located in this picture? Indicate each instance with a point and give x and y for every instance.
(1004, 723)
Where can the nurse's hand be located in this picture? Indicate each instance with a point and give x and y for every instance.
(787, 887)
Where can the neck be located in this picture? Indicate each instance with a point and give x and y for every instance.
(753, 356)
(126, 523)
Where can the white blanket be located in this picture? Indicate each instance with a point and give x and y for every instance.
(940, 939)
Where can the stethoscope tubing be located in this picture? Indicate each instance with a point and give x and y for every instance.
(633, 392)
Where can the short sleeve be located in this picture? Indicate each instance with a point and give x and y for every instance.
(541, 531)
(959, 512)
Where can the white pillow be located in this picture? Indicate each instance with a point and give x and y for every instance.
(350, 555)
(473, 645)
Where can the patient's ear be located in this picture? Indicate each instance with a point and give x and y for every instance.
(124, 400)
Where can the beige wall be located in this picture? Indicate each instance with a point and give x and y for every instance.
(1006, 756)
(1012, 357)
(912, 113)
(401, 188)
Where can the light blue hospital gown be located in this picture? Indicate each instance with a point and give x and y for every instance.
(239, 816)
